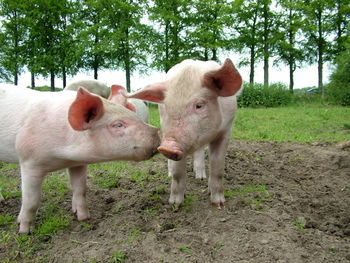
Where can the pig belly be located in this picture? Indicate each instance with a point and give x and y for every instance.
(8, 156)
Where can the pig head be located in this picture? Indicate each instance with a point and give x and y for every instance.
(197, 107)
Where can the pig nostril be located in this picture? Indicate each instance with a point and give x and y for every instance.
(170, 154)
(174, 157)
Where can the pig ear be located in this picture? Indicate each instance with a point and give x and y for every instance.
(225, 81)
(115, 90)
(85, 110)
(154, 93)
(130, 106)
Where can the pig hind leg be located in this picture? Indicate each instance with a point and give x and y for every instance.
(218, 150)
(31, 197)
(177, 170)
(199, 163)
(78, 176)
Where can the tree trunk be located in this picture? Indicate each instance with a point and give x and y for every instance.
(64, 77)
(214, 57)
(32, 76)
(206, 56)
(127, 61)
(95, 63)
(252, 64)
(16, 79)
(320, 52)
(291, 78)
(52, 77)
(167, 66)
(266, 45)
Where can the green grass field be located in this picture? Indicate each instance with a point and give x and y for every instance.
(308, 123)
(299, 123)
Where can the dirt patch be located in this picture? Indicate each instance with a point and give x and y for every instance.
(284, 203)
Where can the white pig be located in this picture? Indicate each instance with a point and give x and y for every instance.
(45, 132)
(92, 85)
(119, 95)
(197, 107)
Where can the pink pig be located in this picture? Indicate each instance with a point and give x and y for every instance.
(197, 107)
(45, 132)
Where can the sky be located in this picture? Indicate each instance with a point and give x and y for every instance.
(303, 77)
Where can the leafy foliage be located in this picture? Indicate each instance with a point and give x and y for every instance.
(339, 87)
(59, 38)
(258, 95)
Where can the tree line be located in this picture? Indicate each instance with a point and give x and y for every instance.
(52, 38)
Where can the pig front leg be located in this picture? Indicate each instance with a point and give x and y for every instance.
(78, 176)
(199, 163)
(177, 170)
(218, 150)
(31, 196)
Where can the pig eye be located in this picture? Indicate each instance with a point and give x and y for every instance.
(199, 106)
(118, 125)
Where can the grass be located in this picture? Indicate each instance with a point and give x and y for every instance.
(308, 123)
(118, 256)
(50, 218)
(254, 195)
(312, 123)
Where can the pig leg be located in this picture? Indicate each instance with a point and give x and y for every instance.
(78, 176)
(218, 150)
(199, 163)
(31, 196)
(177, 170)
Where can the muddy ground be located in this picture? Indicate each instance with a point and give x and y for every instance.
(286, 202)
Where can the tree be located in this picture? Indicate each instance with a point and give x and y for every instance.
(170, 45)
(46, 22)
(317, 30)
(339, 86)
(207, 31)
(269, 36)
(91, 37)
(69, 46)
(341, 24)
(289, 44)
(248, 31)
(126, 41)
(12, 36)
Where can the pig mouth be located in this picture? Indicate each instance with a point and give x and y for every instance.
(172, 154)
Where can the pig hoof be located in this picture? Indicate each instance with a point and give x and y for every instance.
(218, 200)
(219, 205)
(24, 228)
(200, 175)
(176, 200)
(83, 216)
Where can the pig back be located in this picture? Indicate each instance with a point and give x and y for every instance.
(141, 109)
(92, 85)
(14, 104)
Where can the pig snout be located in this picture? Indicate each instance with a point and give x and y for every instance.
(171, 149)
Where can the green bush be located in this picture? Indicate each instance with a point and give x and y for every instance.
(257, 95)
(339, 86)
